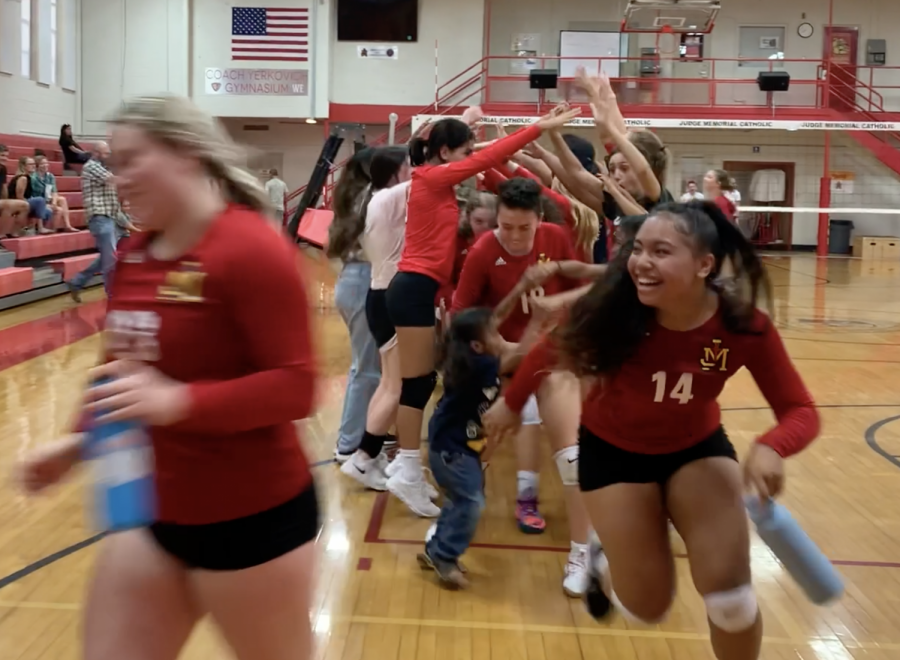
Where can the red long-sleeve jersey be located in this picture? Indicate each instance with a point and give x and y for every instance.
(490, 273)
(230, 318)
(432, 214)
(664, 399)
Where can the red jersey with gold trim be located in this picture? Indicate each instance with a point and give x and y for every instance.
(665, 398)
(230, 318)
(490, 273)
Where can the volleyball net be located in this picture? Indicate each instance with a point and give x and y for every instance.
(794, 178)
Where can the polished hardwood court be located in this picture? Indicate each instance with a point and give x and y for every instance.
(840, 319)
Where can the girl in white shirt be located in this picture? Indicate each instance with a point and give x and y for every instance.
(382, 242)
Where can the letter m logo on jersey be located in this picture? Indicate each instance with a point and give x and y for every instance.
(714, 357)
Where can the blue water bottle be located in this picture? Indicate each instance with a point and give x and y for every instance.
(800, 557)
(122, 457)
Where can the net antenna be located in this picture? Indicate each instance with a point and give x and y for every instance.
(679, 16)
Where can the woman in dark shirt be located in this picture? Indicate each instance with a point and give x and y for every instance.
(72, 153)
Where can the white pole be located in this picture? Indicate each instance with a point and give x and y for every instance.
(392, 128)
(436, 75)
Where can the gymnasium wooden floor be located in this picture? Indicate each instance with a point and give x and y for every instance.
(841, 322)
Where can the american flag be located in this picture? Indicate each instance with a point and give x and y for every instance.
(270, 34)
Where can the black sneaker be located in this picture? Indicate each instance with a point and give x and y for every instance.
(597, 603)
(450, 573)
(74, 291)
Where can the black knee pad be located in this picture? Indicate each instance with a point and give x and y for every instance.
(415, 392)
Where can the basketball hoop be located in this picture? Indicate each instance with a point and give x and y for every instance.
(667, 46)
(695, 16)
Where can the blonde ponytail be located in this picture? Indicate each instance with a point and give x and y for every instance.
(178, 123)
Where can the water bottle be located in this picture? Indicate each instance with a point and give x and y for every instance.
(801, 558)
(122, 458)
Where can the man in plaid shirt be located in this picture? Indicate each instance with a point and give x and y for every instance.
(107, 221)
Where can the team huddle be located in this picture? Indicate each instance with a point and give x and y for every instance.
(570, 295)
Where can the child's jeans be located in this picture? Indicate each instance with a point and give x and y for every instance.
(459, 475)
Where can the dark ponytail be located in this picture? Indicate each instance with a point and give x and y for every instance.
(456, 356)
(450, 133)
(349, 206)
(607, 325)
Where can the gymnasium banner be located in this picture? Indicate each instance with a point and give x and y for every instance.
(777, 125)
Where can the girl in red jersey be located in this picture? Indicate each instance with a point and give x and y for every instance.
(207, 345)
(660, 336)
(507, 270)
(443, 160)
(716, 186)
(478, 214)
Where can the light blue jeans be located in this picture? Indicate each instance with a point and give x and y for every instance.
(460, 476)
(105, 233)
(365, 364)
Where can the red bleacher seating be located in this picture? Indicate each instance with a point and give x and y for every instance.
(314, 226)
(68, 183)
(54, 248)
(74, 199)
(71, 266)
(32, 247)
(15, 280)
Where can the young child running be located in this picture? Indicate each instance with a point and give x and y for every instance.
(473, 357)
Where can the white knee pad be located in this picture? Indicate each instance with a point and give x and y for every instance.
(530, 414)
(732, 611)
(567, 465)
(633, 618)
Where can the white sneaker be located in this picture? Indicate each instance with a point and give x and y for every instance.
(576, 581)
(367, 471)
(340, 457)
(394, 466)
(414, 494)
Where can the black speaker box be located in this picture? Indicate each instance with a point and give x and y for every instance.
(542, 79)
(773, 81)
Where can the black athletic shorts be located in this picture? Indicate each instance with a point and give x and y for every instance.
(601, 464)
(410, 300)
(378, 318)
(244, 542)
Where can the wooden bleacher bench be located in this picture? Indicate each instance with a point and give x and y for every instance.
(15, 280)
(69, 267)
(34, 247)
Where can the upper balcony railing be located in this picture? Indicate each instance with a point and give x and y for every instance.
(722, 83)
(501, 84)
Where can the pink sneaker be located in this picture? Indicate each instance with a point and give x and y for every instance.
(529, 518)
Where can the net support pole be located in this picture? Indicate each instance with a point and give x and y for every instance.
(824, 199)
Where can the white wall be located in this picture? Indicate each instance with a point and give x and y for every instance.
(129, 48)
(458, 28)
(27, 106)
(211, 48)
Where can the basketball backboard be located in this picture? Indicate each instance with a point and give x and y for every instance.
(679, 15)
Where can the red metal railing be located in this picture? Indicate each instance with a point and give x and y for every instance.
(694, 86)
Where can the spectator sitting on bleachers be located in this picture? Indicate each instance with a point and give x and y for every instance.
(43, 184)
(13, 212)
(72, 152)
(20, 188)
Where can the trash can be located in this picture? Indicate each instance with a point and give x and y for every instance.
(839, 236)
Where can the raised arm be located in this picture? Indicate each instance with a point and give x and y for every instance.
(455, 173)
(584, 185)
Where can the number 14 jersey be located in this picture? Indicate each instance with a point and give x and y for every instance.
(664, 399)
